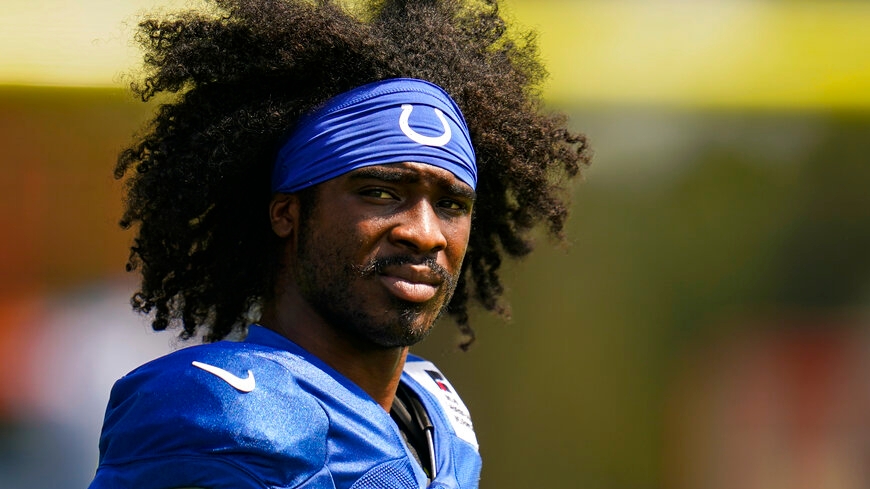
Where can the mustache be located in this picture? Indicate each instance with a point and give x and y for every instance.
(377, 266)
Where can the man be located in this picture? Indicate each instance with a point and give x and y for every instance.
(325, 183)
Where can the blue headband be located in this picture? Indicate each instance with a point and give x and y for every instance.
(391, 121)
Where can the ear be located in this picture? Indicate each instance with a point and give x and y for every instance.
(284, 214)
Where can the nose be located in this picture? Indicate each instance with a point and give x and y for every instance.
(419, 229)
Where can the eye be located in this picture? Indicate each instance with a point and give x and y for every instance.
(454, 205)
(377, 193)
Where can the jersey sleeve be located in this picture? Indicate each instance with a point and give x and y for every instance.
(232, 421)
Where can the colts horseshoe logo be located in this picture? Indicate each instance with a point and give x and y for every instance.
(419, 138)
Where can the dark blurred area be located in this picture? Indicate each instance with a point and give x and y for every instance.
(66, 328)
(707, 325)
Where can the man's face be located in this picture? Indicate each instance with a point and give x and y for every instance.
(380, 253)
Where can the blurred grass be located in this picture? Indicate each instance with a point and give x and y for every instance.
(574, 391)
(687, 217)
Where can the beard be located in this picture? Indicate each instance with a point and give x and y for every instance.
(349, 296)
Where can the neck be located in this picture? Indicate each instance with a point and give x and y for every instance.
(376, 370)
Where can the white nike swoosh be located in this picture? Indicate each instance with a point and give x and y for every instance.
(245, 385)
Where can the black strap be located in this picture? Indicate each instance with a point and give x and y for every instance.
(415, 426)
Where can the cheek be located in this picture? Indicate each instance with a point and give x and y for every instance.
(354, 243)
(364, 235)
(458, 245)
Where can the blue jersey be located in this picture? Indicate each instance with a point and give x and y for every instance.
(264, 413)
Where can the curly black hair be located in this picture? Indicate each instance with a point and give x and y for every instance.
(239, 76)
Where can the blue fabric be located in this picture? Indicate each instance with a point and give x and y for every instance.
(170, 424)
(391, 121)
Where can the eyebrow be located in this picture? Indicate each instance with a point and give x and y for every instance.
(406, 175)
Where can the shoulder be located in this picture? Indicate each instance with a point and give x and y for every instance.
(235, 405)
(459, 462)
(424, 376)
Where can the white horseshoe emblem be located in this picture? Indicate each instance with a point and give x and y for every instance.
(419, 138)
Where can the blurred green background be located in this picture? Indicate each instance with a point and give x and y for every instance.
(706, 326)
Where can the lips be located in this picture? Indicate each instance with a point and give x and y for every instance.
(413, 283)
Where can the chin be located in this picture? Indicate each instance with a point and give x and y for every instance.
(409, 328)
(389, 324)
(398, 337)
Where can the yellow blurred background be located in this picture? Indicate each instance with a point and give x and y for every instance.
(707, 327)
